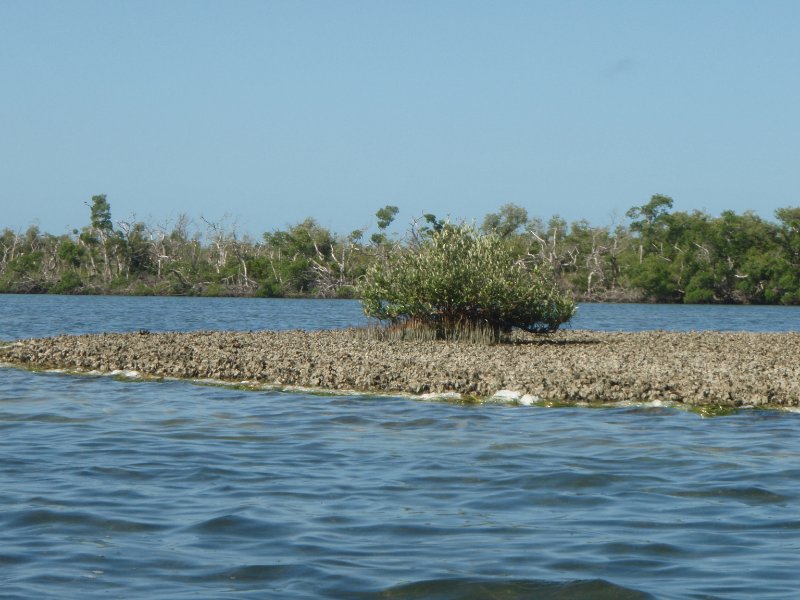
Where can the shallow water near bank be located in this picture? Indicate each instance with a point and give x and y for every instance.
(165, 489)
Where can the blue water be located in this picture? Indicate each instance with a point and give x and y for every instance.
(39, 315)
(131, 489)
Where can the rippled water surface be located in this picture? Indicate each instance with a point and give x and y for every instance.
(35, 316)
(116, 488)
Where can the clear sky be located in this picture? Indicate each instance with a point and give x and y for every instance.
(271, 111)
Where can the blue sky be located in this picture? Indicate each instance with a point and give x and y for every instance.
(268, 112)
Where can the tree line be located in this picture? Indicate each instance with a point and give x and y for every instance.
(658, 255)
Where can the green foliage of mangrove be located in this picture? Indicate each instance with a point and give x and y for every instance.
(457, 278)
(659, 255)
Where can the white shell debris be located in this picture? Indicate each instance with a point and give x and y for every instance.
(506, 396)
(441, 396)
(529, 399)
(515, 397)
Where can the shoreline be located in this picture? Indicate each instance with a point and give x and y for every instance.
(696, 369)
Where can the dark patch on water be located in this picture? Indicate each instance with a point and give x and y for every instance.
(751, 495)
(466, 589)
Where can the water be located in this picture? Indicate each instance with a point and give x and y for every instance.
(39, 316)
(131, 489)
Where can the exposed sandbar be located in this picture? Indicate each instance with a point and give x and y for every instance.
(705, 368)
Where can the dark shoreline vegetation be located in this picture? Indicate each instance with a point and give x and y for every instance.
(711, 372)
(659, 256)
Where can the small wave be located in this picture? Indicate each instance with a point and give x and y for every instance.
(240, 527)
(751, 495)
(350, 420)
(53, 518)
(265, 573)
(410, 424)
(51, 418)
(14, 558)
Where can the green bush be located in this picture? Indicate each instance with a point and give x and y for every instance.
(213, 290)
(69, 282)
(456, 278)
(269, 288)
(700, 289)
(345, 292)
(143, 289)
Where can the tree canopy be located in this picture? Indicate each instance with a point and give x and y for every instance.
(659, 255)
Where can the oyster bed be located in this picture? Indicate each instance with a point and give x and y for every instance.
(698, 369)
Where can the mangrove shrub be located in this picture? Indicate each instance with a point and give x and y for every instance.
(456, 278)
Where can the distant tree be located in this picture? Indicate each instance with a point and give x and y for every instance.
(660, 255)
(101, 214)
(510, 219)
(385, 217)
(97, 235)
(298, 259)
(788, 234)
(646, 216)
(434, 223)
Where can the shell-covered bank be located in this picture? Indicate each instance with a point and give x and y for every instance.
(697, 369)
